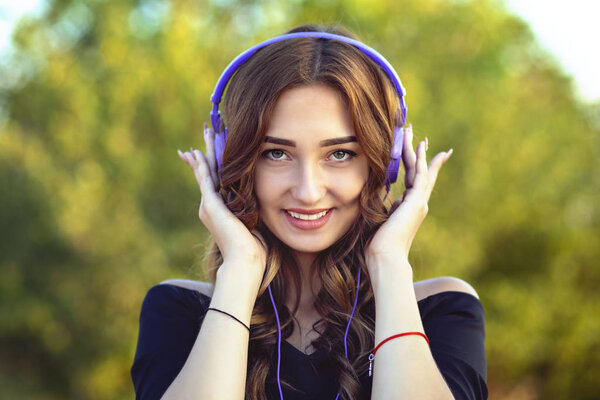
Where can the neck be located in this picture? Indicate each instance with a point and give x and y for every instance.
(304, 260)
(310, 285)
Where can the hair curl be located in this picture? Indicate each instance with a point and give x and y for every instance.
(249, 103)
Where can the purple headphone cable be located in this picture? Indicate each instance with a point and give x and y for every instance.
(279, 332)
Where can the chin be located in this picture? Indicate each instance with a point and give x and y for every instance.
(311, 246)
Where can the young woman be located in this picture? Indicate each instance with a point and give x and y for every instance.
(311, 295)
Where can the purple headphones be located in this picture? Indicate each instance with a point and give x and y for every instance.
(396, 154)
(221, 131)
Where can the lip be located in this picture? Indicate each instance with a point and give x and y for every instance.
(307, 212)
(308, 225)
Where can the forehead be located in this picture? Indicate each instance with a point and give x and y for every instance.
(310, 112)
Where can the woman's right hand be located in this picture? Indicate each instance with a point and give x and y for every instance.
(240, 248)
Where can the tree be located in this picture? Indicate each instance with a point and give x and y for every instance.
(99, 95)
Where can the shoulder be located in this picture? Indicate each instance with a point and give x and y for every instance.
(448, 301)
(170, 319)
(184, 298)
(204, 288)
(454, 321)
(430, 287)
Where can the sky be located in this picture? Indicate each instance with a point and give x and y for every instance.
(569, 30)
(10, 12)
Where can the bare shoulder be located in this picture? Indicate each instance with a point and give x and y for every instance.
(429, 287)
(205, 288)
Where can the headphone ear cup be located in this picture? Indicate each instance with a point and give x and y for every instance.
(391, 174)
(219, 147)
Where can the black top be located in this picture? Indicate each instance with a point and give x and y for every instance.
(171, 317)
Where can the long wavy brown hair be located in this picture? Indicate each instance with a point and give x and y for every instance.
(249, 103)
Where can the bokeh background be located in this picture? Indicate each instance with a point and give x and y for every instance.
(96, 207)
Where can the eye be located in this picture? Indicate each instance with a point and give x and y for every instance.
(342, 155)
(274, 154)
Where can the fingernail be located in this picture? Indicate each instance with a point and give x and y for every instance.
(182, 156)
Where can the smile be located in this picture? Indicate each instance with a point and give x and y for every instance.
(307, 217)
(308, 221)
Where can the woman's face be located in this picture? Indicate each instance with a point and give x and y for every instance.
(311, 169)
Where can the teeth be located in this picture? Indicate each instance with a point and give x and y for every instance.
(307, 217)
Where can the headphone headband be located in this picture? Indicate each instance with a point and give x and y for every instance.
(237, 62)
(221, 131)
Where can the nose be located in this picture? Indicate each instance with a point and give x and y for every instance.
(309, 184)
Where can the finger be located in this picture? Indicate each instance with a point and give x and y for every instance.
(434, 168)
(421, 176)
(202, 172)
(212, 208)
(199, 155)
(193, 161)
(199, 165)
(408, 157)
(419, 185)
(209, 141)
(188, 159)
(213, 212)
(183, 157)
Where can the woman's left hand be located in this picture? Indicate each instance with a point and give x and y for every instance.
(393, 239)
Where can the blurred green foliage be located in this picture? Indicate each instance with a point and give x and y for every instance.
(96, 207)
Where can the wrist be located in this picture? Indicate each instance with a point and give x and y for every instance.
(395, 301)
(248, 268)
(386, 270)
(378, 258)
(232, 282)
(244, 258)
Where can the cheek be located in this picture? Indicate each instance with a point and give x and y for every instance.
(353, 183)
(267, 188)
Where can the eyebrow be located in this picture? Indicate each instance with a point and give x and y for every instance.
(322, 143)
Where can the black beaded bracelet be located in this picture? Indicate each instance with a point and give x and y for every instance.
(226, 313)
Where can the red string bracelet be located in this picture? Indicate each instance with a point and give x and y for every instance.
(372, 355)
